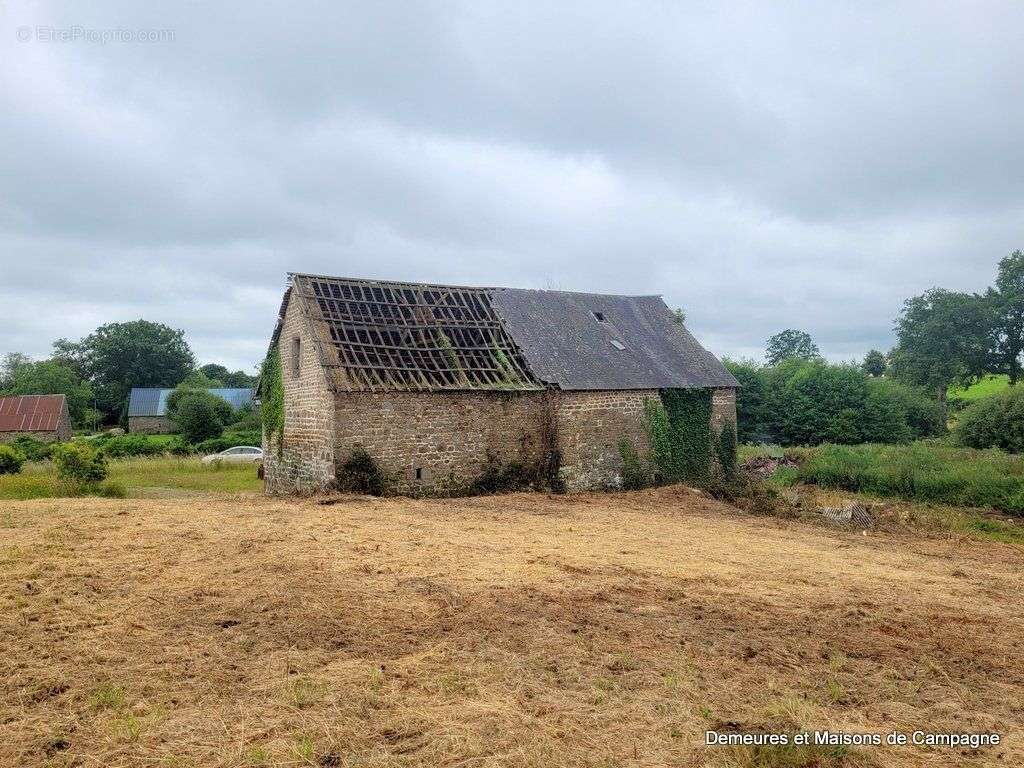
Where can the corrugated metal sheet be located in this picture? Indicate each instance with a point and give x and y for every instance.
(31, 413)
(572, 340)
(152, 401)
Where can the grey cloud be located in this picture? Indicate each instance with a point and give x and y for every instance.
(808, 166)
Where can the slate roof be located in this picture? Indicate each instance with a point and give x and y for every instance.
(636, 344)
(152, 401)
(384, 335)
(32, 413)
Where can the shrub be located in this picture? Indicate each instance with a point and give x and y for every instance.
(924, 414)
(360, 474)
(121, 446)
(113, 490)
(79, 464)
(503, 478)
(31, 449)
(198, 417)
(636, 473)
(10, 460)
(996, 421)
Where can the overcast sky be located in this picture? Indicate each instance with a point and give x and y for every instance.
(764, 167)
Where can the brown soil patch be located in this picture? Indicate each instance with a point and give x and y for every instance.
(596, 630)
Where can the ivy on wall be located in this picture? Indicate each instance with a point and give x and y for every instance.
(678, 426)
(725, 450)
(272, 399)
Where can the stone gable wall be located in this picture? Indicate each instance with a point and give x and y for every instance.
(150, 425)
(306, 461)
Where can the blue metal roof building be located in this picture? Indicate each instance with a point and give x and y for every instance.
(145, 401)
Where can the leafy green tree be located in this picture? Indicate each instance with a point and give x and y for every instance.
(199, 380)
(234, 379)
(118, 356)
(1006, 301)
(924, 416)
(750, 399)
(198, 417)
(874, 363)
(49, 377)
(942, 337)
(791, 343)
(10, 365)
(221, 407)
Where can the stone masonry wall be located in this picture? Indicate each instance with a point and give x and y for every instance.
(723, 408)
(150, 425)
(589, 426)
(438, 442)
(306, 462)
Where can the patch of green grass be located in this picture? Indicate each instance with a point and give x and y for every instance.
(925, 472)
(126, 476)
(110, 696)
(990, 385)
(993, 530)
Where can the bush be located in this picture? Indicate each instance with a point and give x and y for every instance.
(31, 449)
(996, 421)
(113, 490)
(121, 446)
(636, 473)
(198, 417)
(10, 460)
(79, 464)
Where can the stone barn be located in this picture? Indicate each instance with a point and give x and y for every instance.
(441, 385)
(147, 407)
(43, 417)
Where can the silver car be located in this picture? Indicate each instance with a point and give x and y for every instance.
(242, 454)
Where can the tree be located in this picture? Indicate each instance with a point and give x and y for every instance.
(49, 377)
(750, 417)
(679, 316)
(197, 416)
(1006, 303)
(12, 362)
(874, 363)
(118, 356)
(942, 337)
(791, 343)
(235, 379)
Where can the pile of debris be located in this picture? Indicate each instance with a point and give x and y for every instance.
(765, 466)
(852, 513)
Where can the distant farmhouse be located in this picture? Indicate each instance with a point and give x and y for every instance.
(43, 417)
(440, 383)
(147, 407)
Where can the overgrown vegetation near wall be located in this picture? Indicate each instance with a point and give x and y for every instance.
(272, 400)
(678, 426)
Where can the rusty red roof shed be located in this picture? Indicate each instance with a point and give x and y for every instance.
(32, 413)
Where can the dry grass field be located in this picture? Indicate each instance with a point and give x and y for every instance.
(596, 630)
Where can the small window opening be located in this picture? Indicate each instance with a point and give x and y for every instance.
(599, 316)
(419, 473)
(296, 357)
(618, 344)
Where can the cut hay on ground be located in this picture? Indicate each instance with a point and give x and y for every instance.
(598, 630)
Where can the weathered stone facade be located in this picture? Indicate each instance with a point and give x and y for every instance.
(440, 442)
(723, 408)
(151, 425)
(590, 425)
(304, 462)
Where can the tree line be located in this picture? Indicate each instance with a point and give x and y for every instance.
(943, 338)
(97, 373)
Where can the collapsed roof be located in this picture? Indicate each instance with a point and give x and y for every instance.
(385, 335)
